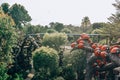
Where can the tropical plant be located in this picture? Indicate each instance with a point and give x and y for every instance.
(85, 24)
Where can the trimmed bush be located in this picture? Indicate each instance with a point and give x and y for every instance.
(45, 62)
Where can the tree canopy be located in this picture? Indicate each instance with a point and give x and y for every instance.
(85, 24)
(54, 40)
(19, 14)
(8, 35)
(5, 7)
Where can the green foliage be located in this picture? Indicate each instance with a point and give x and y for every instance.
(59, 78)
(45, 62)
(5, 7)
(78, 61)
(18, 77)
(3, 71)
(66, 30)
(103, 42)
(96, 31)
(74, 29)
(45, 57)
(115, 18)
(51, 31)
(33, 29)
(19, 14)
(114, 26)
(98, 25)
(68, 73)
(78, 56)
(8, 36)
(110, 30)
(57, 26)
(85, 24)
(54, 40)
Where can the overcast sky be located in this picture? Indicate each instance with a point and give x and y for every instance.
(66, 11)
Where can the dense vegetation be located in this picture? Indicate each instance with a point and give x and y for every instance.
(25, 47)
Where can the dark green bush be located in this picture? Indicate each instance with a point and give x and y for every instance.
(45, 62)
(3, 71)
(68, 73)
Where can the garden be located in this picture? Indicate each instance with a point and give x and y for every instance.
(57, 51)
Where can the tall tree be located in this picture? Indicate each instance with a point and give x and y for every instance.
(7, 37)
(98, 25)
(57, 26)
(85, 23)
(115, 21)
(52, 24)
(19, 14)
(66, 30)
(115, 18)
(5, 7)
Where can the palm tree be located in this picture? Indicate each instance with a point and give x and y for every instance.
(85, 23)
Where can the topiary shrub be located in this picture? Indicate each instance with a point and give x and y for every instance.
(45, 62)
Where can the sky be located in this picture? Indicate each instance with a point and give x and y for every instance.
(66, 11)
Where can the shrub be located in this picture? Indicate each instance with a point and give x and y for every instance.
(3, 71)
(54, 40)
(45, 62)
(8, 37)
(59, 78)
(68, 72)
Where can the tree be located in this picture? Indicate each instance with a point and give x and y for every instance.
(74, 29)
(114, 22)
(51, 31)
(68, 72)
(45, 62)
(3, 72)
(5, 7)
(8, 39)
(52, 24)
(110, 29)
(29, 29)
(57, 26)
(33, 29)
(66, 30)
(59, 78)
(85, 23)
(98, 25)
(8, 36)
(78, 60)
(115, 18)
(54, 40)
(19, 14)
